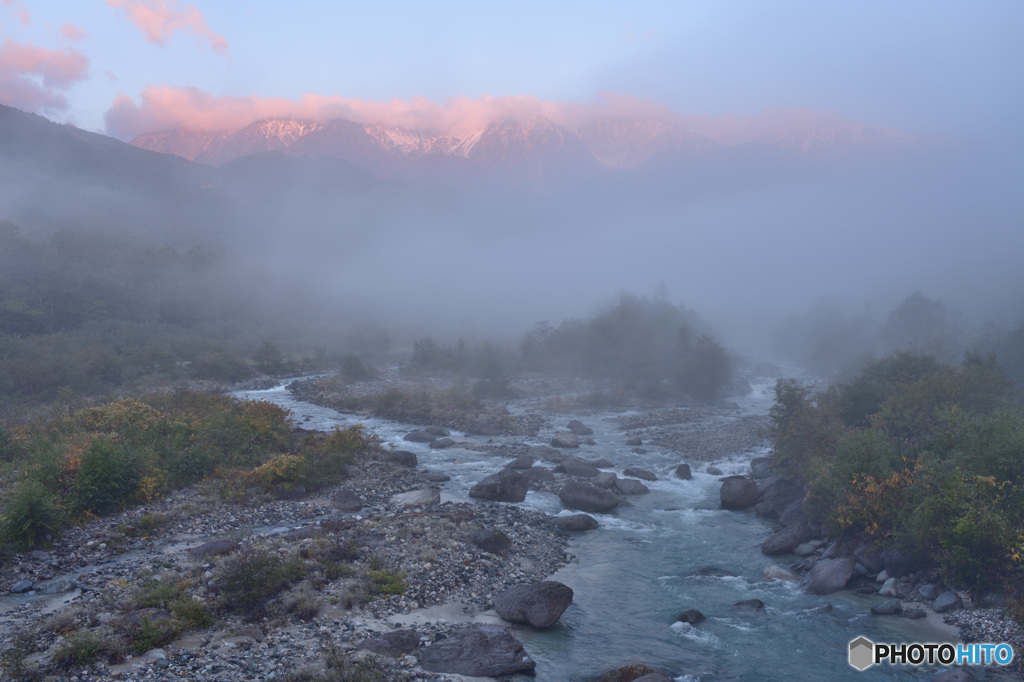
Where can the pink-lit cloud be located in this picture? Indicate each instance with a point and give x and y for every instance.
(35, 78)
(159, 19)
(19, 11)
(75, 34)
(161, 108)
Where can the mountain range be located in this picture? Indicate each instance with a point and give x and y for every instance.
(534, 150)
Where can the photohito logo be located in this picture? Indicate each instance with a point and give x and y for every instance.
(864, 653)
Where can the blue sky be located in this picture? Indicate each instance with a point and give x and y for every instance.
(924, 66)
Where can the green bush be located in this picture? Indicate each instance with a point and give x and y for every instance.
(108, 474)
(82, 647)
(31, 516)
(249, 578)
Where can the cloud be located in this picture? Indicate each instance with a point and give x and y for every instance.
(73, 33)
(159, 19)
(19, 11)
(35, 78)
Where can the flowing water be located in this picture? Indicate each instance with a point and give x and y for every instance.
(641, 568)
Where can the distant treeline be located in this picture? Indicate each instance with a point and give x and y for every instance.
(649, 346)
(919, 454)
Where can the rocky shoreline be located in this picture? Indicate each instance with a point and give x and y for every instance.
(438, 572)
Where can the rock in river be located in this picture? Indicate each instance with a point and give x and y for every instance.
(586, 497)
(829, 575)
(477, 651)
(738, 493)
(565, 439)
(539, 604)
(504, 486)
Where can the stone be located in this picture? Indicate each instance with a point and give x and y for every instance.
(691, 616)
(738, 493)
(631, 486)
(434, 476)
(627, 673)
(764, 508)
(889, 607)
(714, 572)
(423, 497)
(947, 601)
(538, 604)
(605, 479)
(565, 439)
(779, 573)
(38, 556)
(401, 458)
(438, 431)
(504, 486)
(872, 559)
(714, 471)
(601, 462)
(930, 592)
(683, 471)
(883, 576)
(395, 644)
(635, 441)
(786, 539)
(21, 587)
(782, 492)
(750, 604)
(346, 500)
(653, 677)
(579, 428)
(418, 436)
(212, 548)
(761, 467)
(485, 427)
(640, 473)
(524, 462)
(545, 452)
(829, 575)
(288, 491)
(888, 588)
(793, 514)
(492, 541)
(896, 563)
(441, 444)
(577, 467)
(55, 586)
(915, 613)
(586, 497)
(477, 651)
(807, 549)
(575, 522)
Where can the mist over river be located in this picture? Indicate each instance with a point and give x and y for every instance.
(643, 566)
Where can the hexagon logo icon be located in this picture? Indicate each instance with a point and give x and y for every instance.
(862, 653)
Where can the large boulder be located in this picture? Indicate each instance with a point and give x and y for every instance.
(441, 443)
(477, 651)
(690, 616)
(395, 644)
(605, 479)
(631, 486)
(565, 439)
(829, 575)
(782, 492)
(947, 601)
(537, 476)
(683, 472)
(793, 515)
(419, 436)
(627, 673)
(424, 497)
(212, 548)
(504, 486)
(402, 458)
(896, 563)
(575, 522)
(492, 541)
(586, 497)
(579, 428)
(577, 467)
(779, 573)
(761, 467)
(889, 607)
(640, 473)
(738, 493)
(523, 462)
(786, 539)
(539, 604)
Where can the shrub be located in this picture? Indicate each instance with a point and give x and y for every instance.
(82, 647)
(107, 475)
(386, 582)
(30, 516)
(249, 578)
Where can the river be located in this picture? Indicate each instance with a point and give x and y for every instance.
(641, 568)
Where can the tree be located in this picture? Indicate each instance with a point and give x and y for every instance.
(269, 358)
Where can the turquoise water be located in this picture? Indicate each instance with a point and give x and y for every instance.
(636, 573)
